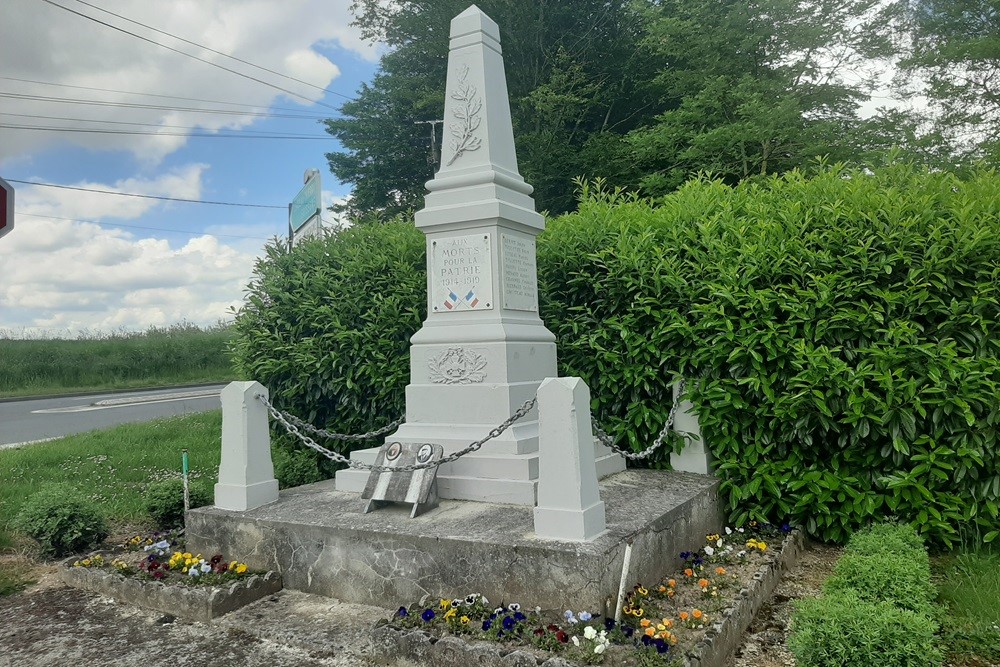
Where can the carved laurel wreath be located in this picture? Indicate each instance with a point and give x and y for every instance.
(457, 365)
(466, 114)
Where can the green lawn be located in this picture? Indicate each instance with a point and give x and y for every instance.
(112, 468)
(969, 588)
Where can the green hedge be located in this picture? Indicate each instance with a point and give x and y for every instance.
(877, 608)
(326, 328)
(837, 332)
(844, 630)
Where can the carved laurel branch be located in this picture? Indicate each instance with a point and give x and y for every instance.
(467, 115)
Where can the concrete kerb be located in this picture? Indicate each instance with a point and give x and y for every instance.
(719, 643)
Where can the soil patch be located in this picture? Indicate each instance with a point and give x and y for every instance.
(763, 643)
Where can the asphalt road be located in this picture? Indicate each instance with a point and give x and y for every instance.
(32, 420)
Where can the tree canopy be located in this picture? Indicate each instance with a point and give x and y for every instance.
(644, 93)
(952, 52)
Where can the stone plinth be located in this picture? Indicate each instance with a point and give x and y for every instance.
(319, 540)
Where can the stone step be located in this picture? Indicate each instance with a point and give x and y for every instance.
(480, 476)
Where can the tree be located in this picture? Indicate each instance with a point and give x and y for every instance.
(952, 52)
(753, 88)
(573, 71)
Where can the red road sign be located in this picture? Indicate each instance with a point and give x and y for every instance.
(6, 207)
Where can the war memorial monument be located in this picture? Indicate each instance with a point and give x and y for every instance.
(494, 483)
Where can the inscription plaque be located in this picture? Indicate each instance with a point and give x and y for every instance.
(520, 275)
(461, 273)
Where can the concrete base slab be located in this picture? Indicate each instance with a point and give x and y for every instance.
(320, 542)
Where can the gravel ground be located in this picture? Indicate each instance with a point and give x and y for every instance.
(51, 625)
(763, 643)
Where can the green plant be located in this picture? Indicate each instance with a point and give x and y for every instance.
(181, 353)
(901, 579)
(837, 332)
(14, 577)
(112, 467)
(326, 328)
(164, 501)
(969, 588)
(888, 537)
(295, 468)
(844, 630)
(61, 520)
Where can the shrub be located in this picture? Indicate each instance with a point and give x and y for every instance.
(61, 520)
(896, 538)
(845, 631)
(165, 501)
(295, 468)
(838, 333)
(899, 579)
(326, 328)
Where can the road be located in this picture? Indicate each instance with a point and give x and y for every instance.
(32, 420)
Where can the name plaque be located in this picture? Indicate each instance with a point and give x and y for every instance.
(520, 275)
(461, 273)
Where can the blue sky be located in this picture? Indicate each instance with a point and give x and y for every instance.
(60, 275)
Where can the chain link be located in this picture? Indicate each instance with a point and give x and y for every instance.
(292, 424)
(306, 426)
(609, 442)
(283, 419)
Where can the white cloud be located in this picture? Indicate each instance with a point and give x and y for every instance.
(181, 183)
(41, 42)
(80, 275)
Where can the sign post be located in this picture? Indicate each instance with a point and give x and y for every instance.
(304, 213)
(6, 207)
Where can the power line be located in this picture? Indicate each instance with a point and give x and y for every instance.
(155, 229)
(197, 135)
(124, 122)
(160, 107)
(169, 97)
(132, 194)
(189, 55)
(225, 55)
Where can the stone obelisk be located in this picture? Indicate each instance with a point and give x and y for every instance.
(482, 351)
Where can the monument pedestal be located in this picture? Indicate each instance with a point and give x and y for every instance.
(320, 541)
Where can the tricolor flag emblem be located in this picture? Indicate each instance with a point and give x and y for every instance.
(471, 299)
(451, 301)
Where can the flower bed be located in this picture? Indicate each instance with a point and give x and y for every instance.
(694, 617)
(155, 572)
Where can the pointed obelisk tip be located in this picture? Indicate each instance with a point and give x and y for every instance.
(474, 20)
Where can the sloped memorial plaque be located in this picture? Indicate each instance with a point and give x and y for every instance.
(418, 487)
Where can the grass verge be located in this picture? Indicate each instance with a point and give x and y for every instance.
(112, 468)
(14, 576)
(181, 354)
(969, 586)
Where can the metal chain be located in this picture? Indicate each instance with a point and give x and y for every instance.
(608, 441)
(340, 458)
(301, 423)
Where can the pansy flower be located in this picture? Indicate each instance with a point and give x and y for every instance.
(428, 615)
